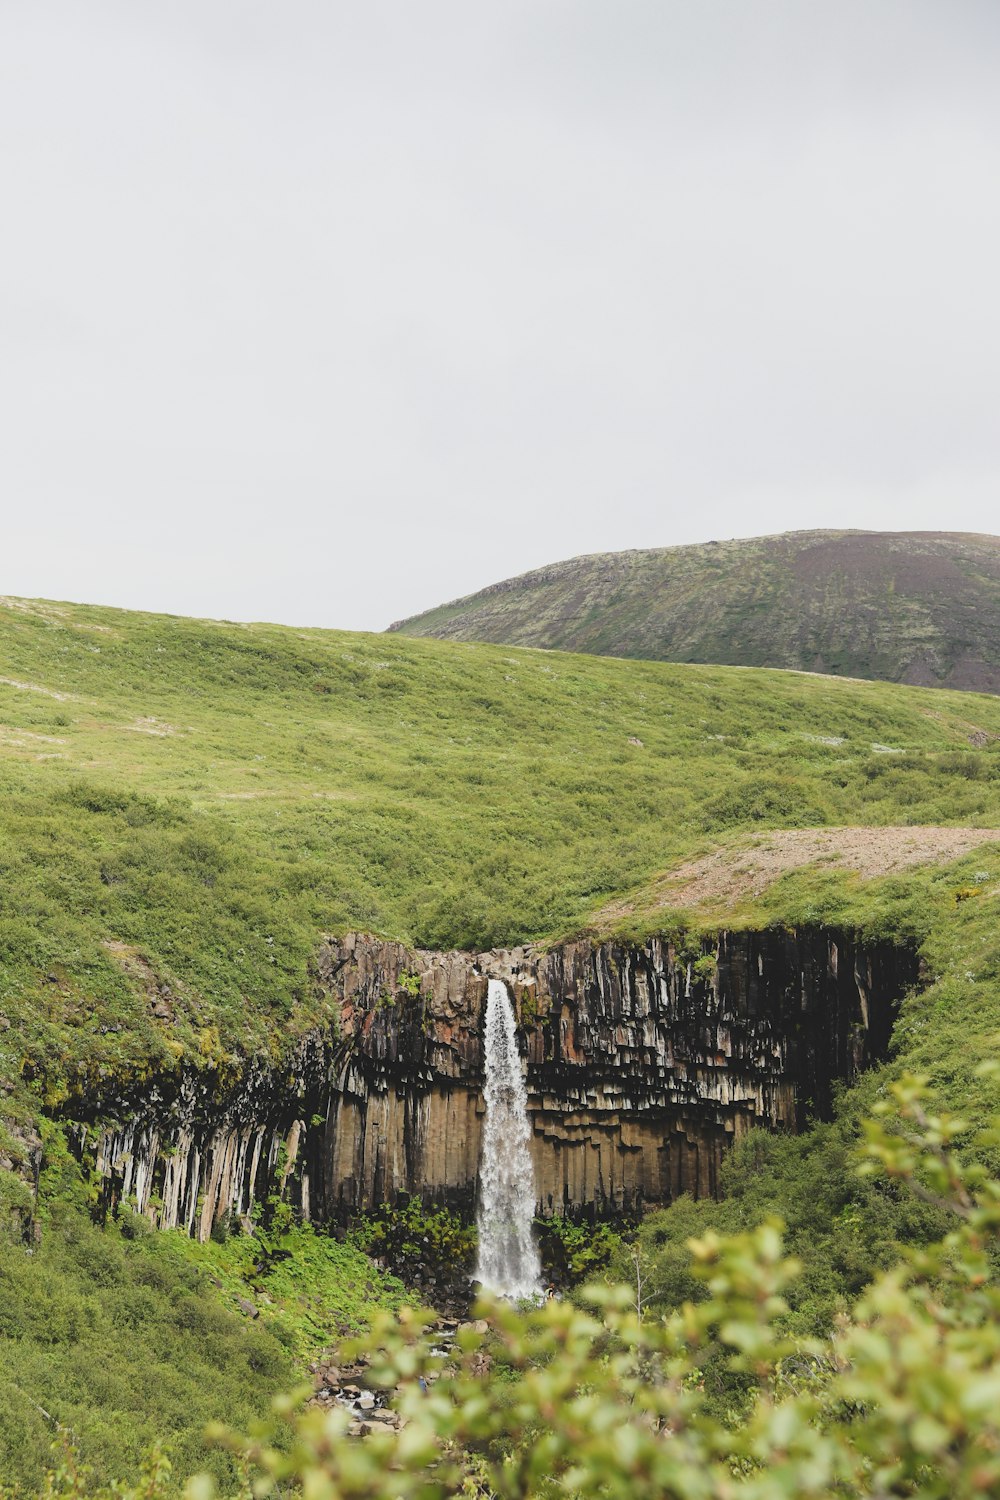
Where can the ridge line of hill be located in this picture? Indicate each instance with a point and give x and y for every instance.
(921, 608)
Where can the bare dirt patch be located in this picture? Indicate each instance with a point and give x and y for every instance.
(17, 736)
(36, 687)
(152, 726)
(740, 872)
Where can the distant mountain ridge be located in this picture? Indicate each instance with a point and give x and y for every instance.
(920, 607)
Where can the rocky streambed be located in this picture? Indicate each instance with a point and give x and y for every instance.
(346, 1383)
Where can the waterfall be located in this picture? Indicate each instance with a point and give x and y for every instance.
(508, 1259)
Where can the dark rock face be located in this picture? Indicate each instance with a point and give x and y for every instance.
(197, 1147)
(643, 1065)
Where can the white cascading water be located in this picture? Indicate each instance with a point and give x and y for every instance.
(508, 1258)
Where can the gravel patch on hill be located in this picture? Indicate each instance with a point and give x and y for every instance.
(736, 873)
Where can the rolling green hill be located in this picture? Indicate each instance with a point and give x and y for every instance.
(187, 806)
(213, 798)
(914, 607)
(218, 796)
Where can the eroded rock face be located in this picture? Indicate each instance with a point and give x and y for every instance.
(643, 1065)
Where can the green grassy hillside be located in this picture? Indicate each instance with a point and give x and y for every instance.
(917, 607)
(187, 806)
(192, 804)
(128, 1340)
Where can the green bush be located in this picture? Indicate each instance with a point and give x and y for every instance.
(411, 1239)
(574, 1252)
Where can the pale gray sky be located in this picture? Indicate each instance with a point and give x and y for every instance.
(326, 312)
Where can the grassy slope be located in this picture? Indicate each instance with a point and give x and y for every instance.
(904, 607)
(128, 1338)
(306, 781)
(309, 781)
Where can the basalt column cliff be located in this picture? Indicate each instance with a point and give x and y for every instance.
(643, 1064)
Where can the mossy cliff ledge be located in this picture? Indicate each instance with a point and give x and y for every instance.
(643, 1063)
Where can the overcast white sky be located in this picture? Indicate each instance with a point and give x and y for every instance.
(326, 312)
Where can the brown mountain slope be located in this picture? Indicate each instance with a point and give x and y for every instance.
(920, 607)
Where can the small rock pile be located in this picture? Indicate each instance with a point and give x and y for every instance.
(348, 1384)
